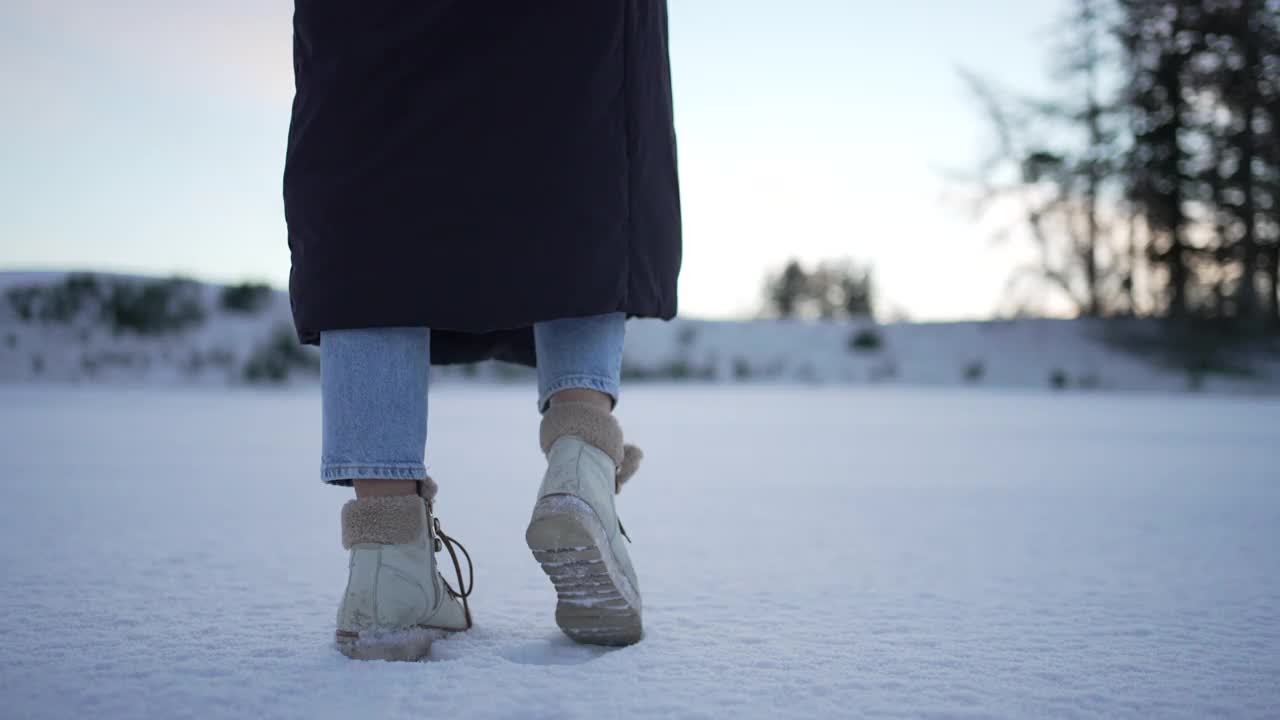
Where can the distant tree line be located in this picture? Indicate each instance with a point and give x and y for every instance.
(137, 305)
(1149, 181)
(829, 290)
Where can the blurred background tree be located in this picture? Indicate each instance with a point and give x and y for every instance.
(1149, 182)
(832, 290)
(1057, 161)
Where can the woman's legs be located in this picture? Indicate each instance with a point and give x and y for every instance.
(580, 360)
(574, 530)
(374, 388)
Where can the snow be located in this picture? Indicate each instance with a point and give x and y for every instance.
(86, 350)
(1025, 353)
(803, 552)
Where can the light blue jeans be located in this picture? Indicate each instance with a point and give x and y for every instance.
(374, 388)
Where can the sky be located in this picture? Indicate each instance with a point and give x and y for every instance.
(148, 136)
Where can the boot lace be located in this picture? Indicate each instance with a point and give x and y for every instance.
(463, 590)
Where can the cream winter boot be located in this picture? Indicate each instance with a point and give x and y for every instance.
(396, 602)
(575, 532)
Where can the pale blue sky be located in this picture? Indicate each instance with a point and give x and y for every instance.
(148, 135)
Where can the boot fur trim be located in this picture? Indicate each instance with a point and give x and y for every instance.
(631, 457)
(428, 488)
(594, 426)
(591, 424)
(393, 520)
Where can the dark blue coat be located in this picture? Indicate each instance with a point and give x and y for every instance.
(476, 166)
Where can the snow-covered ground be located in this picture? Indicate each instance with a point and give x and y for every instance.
(804, 552)
(60, 328)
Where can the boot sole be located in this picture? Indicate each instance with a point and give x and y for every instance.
(597, 603)
(398, 646)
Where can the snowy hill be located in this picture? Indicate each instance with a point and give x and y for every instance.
(94, 328)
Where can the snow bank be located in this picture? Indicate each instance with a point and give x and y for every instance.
(40, 340)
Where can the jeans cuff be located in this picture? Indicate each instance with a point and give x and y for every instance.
(344, 473)
(608, 386)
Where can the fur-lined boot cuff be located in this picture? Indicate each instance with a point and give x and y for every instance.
(594, 426)
(395, 520)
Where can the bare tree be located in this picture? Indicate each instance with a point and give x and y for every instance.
(1058, 161)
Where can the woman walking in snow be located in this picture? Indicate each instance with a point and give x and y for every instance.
(472, 180)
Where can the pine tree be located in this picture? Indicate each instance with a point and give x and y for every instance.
(1204, 88)
(787, 290)
(1158, 37)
